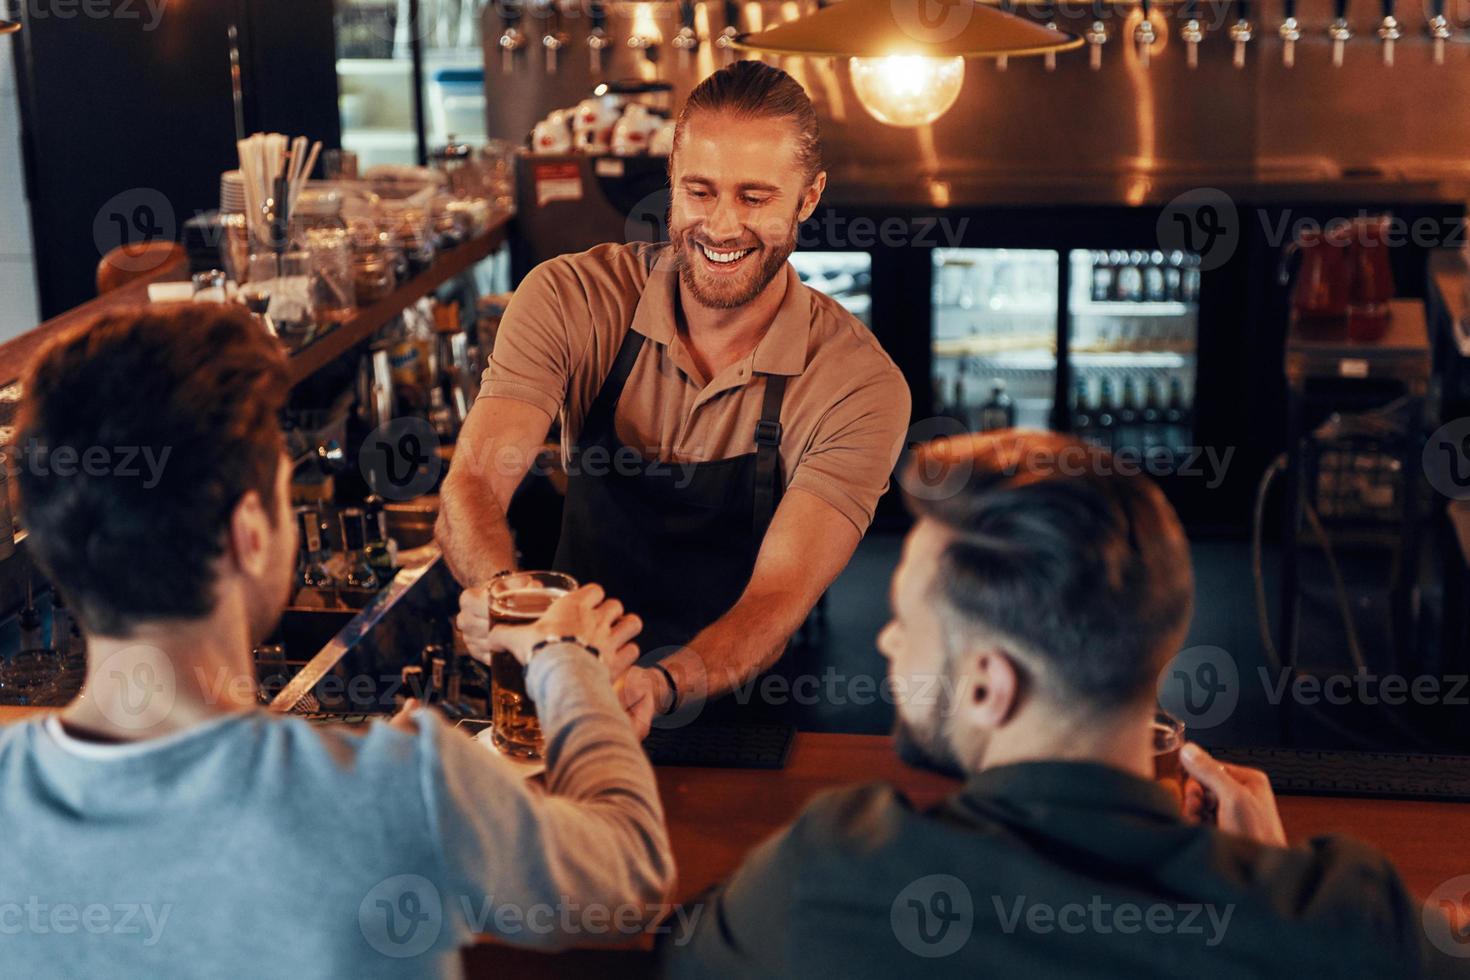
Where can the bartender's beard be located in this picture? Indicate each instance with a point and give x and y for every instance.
(728, 293)
(925, 743)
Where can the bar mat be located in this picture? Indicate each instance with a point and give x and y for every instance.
(721, 746)
(1403, 775)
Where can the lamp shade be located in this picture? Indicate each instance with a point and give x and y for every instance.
(924, 28)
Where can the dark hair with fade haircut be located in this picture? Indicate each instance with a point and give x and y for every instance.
(1052, 547)
(755, 90)
(128, 542)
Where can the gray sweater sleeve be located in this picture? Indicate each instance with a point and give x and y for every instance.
(583, 861)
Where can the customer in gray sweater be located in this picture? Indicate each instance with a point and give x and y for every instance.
(161, 825)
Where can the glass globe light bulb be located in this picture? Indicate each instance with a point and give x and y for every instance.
(907, 89)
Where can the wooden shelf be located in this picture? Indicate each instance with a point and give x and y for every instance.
(329, 346)
(17, 353)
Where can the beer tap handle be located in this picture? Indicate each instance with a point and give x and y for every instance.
(1241, 31)
(1291, 32)
(1143, 34)
(555, 38)
(686, 42)
(1002, 62)
(1049, 11)
(511, 39)
(1191, 33)
(1097, 36)
(1389, 31)
(1439, 30)
(1340, 32)
(597, 39)
(725, 42)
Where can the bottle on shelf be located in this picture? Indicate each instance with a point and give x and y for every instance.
(1177, 421)
(311, 558)
(32, 636)
(1151, 416)
(1128, 277)
(957, 407)
(1189, 290)
(1174, 277)
(1153, 278)
(1105, 419)
(1081, 411)
(1000, 411)
(377, 547)
(1128, 434)
(1102, 276)
(359, 574)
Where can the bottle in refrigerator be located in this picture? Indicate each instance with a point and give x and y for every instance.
(1102, 276)
(1000, 411)
(1081, 411)
(1153, 278)
(1151, 416)
(1128, 434)
(1105, 419)
(1176, 417)
(1128, 279)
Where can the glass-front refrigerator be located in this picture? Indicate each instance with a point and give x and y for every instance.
(1133, 332)
(847, 277)
(376, 77)
(995, 336)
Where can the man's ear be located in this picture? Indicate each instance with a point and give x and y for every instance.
(989, 688)
(249, 532)
(812, 197)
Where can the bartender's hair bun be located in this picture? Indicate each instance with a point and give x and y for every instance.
(755, 90)
(139, 431)
(1072, 555)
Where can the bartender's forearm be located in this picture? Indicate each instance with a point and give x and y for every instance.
(473, 533)
(739, 645)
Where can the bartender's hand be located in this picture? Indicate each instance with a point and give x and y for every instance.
(585, 613)
(474, 622)
(643, 693)
(1241, 796)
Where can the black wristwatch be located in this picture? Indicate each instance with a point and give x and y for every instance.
(673, 689)
(552, 641)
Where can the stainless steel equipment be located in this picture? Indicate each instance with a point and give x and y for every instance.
(1283, 127)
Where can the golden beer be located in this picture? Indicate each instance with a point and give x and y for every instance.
(518, 598)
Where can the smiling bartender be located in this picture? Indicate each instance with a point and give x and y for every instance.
(727, 431)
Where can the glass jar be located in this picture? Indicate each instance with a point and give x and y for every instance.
(318, 229)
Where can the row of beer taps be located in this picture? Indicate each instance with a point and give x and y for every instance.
(597, 41)
(1243, 31)
(514, 42)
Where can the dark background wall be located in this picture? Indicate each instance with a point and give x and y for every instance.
(127, 119)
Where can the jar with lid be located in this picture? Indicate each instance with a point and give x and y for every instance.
(317, 227)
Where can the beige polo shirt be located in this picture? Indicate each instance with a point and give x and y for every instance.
(843, 418)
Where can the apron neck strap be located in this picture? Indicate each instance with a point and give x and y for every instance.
(601, 412)
(768, 455)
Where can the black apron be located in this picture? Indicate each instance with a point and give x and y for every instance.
(675, 542)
